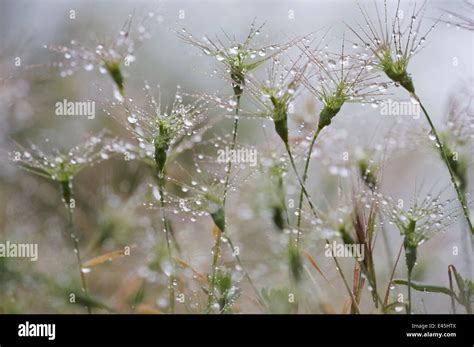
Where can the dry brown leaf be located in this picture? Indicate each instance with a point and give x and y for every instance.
(216, 231)
(146, 309)
(313, 262)
(327, 308)
(346, 306)
(104, 258)
(185, 265)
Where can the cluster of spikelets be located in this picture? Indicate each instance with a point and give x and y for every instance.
(162, 133)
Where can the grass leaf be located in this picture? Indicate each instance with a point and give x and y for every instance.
(422, 287)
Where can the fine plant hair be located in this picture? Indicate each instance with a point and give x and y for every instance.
(202, 198)
(457, 138)
(62, 167)
(238, 58)
(278, 93)
(462, 18)
(425, 217)
(340, 79)
(108, 57)
(180, 185)
(159, 130)
(393, 44)
(273, 98)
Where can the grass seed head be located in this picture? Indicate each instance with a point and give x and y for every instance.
(274, 96)
(393, 42)
(295, 262)
(339, 78)
(162, 130)
(239, 58)
(107, 56)
(63, 166)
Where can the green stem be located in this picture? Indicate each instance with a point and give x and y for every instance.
(283, 199)
(232, 147)
(287, 146)
(373, 283)
(346, 284)
(216, 248)
(226, 187)
(172, 296)
(453, 304)
(215, 259)
(305, 176)
(305, 192)
(446, 161)
(245, 272)
(68, 197)
(387, 292)
(409, 292)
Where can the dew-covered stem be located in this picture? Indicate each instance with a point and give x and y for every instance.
(215, 259)
(445, 158)
(68, 197)
(346, 284)
(216, 247)
(373, 284)
(232, 146)
(394, 268)
(226, 188)
(409, 291)
(303, 189)
(246, 274)
(305, 176)
(167, 231)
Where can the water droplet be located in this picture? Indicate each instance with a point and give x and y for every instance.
(132, 119)
(399, 308)
(118, 96)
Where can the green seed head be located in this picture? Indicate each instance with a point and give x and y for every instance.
(396, 70)
(226, 291)
(216, 210)
(332, 106)
(281, 125)
(66, 189)
(238, 70)
(296, 265)
(64, 176)
(368, 173)
(162, 144)
(458, 164)
(278, 217)
(345, 234)
(279, 112)
(410, 243)
(113, 68)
